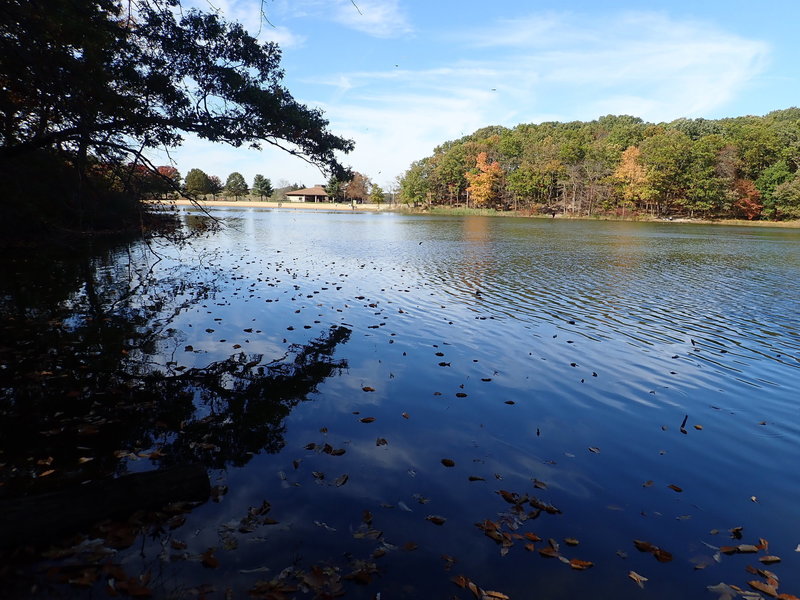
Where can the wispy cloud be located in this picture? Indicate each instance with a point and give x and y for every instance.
(377, 18)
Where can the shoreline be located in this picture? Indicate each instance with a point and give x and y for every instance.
(444, 211)
(330, 206)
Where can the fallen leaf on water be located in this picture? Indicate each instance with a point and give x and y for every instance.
(637, 578)
(209, 560)
(548, 552)
(662, 555)
(448, 462)
(492, 595)
(410, 546)
(659, 554)
(724, 590)
(367, 419)
(532, 537)
(747, 548)
(460, 395)
(381, 442)
(366, 388)
(674, 487)
(594, 450)
(476, 478)
(643, 546)
(763, 587)
(571, 541)
(698, 427)
(648, 483)
(436, 519)
(404, 415)
(580, 565)
(46, 473)
(341, 480)
(768, 560)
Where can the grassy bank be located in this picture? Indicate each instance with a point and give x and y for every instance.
(490, 212)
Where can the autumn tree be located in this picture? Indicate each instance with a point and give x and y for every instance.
(747, 201)
(485, 181)
(631, 176)
(358, 187)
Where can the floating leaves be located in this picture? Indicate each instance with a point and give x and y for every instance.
(477, 591)
(367, 420)
(448, 462)
(580, 565)
(208, 559)
(436, 519)
(659, 554)
(639, 579)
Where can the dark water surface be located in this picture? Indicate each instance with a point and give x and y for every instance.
(579, 367)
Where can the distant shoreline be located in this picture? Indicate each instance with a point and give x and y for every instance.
(442, 210)
(337, 206)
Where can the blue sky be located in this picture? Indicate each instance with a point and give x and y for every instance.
(400, 76)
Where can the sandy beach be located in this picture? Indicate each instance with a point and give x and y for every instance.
(337, 206)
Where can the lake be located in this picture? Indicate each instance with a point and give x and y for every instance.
(398, 406)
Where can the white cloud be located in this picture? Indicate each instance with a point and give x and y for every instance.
(377, 18)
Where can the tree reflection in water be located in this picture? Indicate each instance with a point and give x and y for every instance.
(83, 385)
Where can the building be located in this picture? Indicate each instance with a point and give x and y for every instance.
(312, 194)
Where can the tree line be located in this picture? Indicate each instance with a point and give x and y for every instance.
(741, 167)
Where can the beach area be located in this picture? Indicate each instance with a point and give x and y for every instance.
(325, 206)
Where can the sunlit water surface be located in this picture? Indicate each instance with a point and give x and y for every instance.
(542, 357)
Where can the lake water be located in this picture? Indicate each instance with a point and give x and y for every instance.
(378, 379)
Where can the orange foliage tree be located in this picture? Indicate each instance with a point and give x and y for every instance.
(485, 181)
(631, 174)
(748, 200)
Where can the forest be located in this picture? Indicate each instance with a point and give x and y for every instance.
(741, 167)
